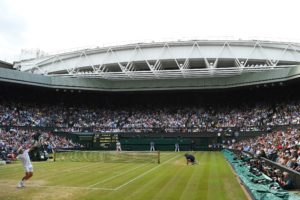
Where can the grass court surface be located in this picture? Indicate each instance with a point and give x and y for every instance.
(211, 179)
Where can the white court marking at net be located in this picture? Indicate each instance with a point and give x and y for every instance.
(146, 172)
(117, 175)
(112, 177)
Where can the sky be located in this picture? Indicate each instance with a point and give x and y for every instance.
(58, 25)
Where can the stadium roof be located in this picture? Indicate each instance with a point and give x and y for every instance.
(168, 60)
(7, 65)
(262, 79)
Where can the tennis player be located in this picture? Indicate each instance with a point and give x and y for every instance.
(177, 147)
(118, 146)
(152, 146)
(25, 159)
(190, 159)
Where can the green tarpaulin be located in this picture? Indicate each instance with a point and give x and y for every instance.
(260, 191)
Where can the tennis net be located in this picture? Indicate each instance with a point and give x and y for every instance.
(107, 156)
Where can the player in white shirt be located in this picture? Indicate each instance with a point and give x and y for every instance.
(118, 146)
(177, 147)
(152, 146)
(25, 159)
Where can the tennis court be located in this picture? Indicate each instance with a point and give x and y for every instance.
(212, 178)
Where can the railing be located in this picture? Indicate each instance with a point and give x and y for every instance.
(293, 174)
(226, 131)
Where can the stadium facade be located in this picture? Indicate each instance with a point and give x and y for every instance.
(203, 64)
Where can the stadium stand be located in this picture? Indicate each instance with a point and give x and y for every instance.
(173, 112)
(281, 147)
(272, 111)
(143, 119)
(12, 139)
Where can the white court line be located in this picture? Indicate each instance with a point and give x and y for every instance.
(112, 177)
(117, 175)
(143, 174)
(94, 188)
(67, 170)
(69, 187)
(58, 187)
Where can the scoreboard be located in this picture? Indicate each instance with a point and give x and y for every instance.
(105, 141)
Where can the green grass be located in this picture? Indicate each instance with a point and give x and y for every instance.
(211, 179)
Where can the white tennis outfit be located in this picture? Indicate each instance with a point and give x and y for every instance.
(25, 159)
(119, 146)
(152, 148)
(177, 147)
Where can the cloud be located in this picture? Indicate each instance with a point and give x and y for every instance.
(12, 29)
(12, 26)
(53, 25)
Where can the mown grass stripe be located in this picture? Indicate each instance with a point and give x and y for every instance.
(173, 180)
(117, 175)
(172, 186)
(147, 186)
(143, 174)
(72, 177)
(192, 183)
(126, 172)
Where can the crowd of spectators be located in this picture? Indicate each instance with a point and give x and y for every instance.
(12, 139)
(273, 174)
(282, 147)
(165, 118)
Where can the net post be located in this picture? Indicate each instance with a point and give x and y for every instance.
(158, 154)
(54, 155)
